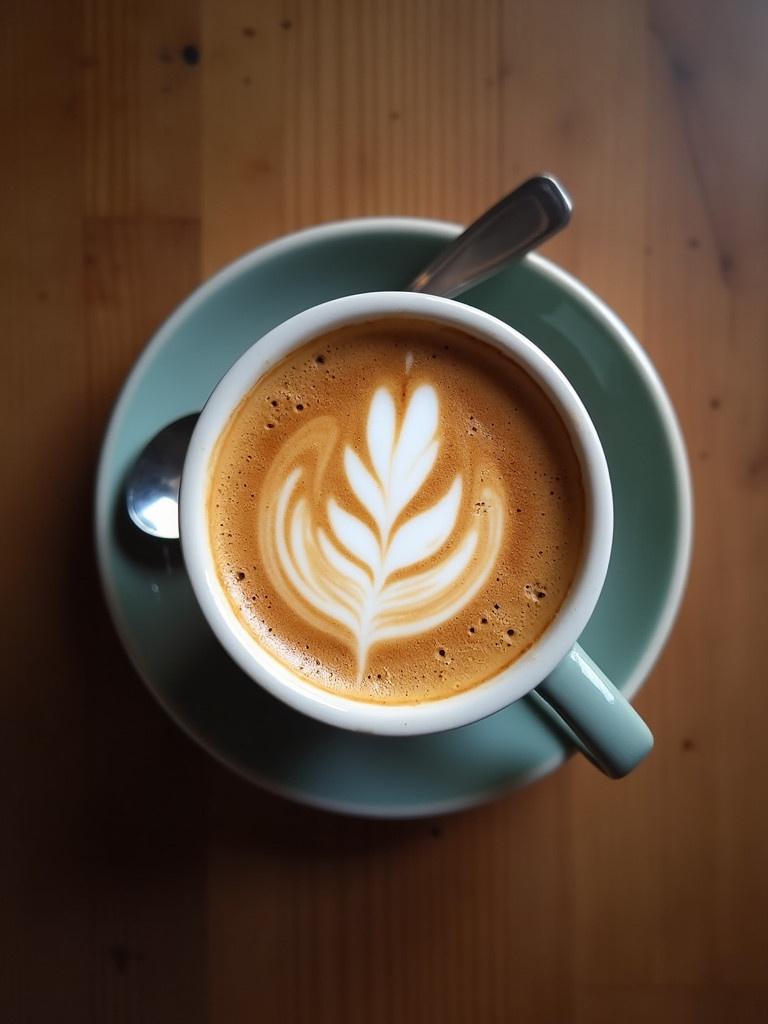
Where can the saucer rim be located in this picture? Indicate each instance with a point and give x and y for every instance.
(448, 230)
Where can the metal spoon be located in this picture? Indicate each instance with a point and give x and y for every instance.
(518, 223)
(152, 492)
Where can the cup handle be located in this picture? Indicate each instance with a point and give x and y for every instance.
(614, 735)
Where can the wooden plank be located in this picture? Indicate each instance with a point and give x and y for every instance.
(242, 110)
(102, 866)
(44, 453)
(314, 917)
(141, 104)
(146, 836)
(717, 314)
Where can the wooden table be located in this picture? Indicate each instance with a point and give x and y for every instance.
(145, 144)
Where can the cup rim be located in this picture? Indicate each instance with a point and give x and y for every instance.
(484, 699)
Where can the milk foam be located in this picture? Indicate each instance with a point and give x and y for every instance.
(365, 574)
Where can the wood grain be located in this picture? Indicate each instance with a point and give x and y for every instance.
(147, 144)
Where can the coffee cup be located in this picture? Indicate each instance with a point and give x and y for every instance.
(553, 665)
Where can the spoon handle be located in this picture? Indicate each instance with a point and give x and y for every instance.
(519, 222)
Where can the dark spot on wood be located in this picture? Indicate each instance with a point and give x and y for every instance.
(259, 166)
(122, 957)
(647, 249)
(681, 72)
(191, 55)
(714, 402)
(247, 80)
(726, 264)
(506, 70)
(88, 61)
(42, 295)
(693, 243)
(249, 32)
(286, 24)
(703, 456)
(436, 832)
(757, 468)
(165, 56)
(687, 745)
(394, 115)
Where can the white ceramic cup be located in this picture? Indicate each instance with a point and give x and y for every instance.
(609, 730)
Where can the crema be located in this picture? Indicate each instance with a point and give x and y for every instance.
(396, 511)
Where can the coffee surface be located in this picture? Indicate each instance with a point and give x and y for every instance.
(396, 511)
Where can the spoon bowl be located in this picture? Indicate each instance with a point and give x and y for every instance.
(152, 494)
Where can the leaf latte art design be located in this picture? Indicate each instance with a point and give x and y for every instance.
(384, 575)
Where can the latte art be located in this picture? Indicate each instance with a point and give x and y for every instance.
(395, 511)
(365, 575)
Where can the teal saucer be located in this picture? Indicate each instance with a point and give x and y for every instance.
(166, 636)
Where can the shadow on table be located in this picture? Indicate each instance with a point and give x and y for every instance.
(152, 797)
